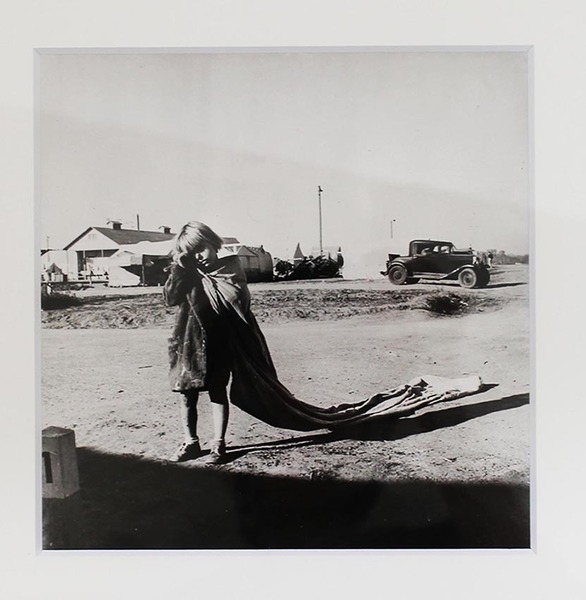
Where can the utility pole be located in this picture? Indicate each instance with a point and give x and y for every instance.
(392, 221)
(321, 249)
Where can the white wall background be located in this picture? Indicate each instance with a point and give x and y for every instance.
(555, 569)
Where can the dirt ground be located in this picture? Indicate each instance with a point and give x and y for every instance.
(454, 475)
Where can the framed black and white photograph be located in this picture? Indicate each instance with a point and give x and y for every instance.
(376, 201)
(294, 303)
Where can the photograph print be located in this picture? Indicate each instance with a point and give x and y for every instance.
(284, 298)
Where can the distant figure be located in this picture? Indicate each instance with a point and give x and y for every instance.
(489, 258)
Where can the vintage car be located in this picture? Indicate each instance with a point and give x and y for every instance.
(437, 260)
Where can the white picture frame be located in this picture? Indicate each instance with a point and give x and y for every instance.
(554, 566)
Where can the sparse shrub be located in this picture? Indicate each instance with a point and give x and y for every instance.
(58, 300)
(445, 304)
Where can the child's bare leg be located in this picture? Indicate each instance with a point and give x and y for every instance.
(190, 448)
(189, 416)
(220, 414)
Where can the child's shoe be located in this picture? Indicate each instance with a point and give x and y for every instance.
(187, 451)
(217, 453)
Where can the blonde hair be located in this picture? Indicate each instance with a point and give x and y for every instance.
(195, 235)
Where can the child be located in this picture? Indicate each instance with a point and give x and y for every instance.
(199, 352)
(216, 337)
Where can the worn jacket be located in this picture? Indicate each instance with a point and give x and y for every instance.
(199, 345)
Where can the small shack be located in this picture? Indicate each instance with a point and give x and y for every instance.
(54, 274)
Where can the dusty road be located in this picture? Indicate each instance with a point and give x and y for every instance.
(452, 475)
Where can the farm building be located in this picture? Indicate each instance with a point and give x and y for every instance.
(89, 253)
(129, 257)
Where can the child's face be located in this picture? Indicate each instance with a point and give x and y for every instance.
(206, 256)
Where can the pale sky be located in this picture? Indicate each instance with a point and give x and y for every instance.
(437, 141)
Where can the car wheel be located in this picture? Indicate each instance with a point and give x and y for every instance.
(468, 278)
(398, 275)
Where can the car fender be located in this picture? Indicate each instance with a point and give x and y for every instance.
(399, 260)
(404, 262)
(457, 271)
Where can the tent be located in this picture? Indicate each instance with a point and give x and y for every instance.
(55, 273)
(143, 263)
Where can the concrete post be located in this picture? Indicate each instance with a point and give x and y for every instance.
(61, 498)
(60, 472)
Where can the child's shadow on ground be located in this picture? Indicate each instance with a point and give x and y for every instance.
(391, 428)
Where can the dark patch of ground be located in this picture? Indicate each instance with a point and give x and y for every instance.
(269, 306)
(207, 508)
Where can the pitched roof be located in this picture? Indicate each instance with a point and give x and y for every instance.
(54, 269)
(241, 250)
(229, 241)
(246, 251)
(126, 236)
(133, 236)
